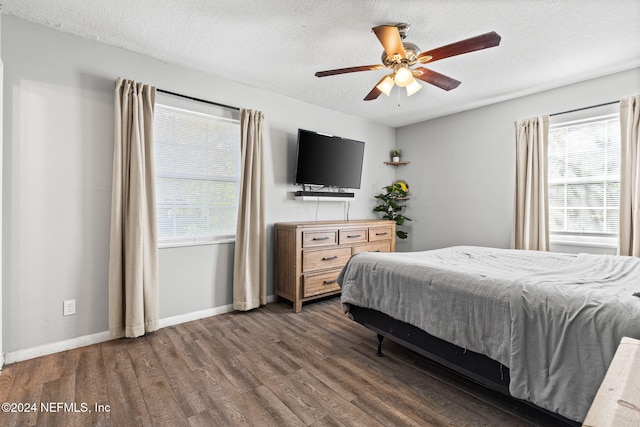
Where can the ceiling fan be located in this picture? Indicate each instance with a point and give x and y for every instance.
(399, 56)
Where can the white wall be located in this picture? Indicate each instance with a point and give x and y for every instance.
(58, 142)
(462, 169)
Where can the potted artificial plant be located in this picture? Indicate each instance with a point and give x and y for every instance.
(390, 205)
(395, 155)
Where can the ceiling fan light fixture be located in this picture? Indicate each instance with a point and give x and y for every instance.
(386, 85)
(413, 87)
(403, 77)
(399, 56)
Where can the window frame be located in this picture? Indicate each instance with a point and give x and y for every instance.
(202, 109)
(586, 239)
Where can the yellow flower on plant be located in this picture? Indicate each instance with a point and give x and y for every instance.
(403, 185)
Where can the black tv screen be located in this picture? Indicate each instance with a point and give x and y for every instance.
(328, 160)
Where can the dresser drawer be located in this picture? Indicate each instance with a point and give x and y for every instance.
(320, 283)
(327, 258)
(352, 236)
(380, 233)
(319, 238)
(373, 247)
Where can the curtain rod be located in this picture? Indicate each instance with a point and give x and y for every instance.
(198, 99)
(584, 108)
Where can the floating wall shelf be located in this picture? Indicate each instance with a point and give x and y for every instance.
(396, 163)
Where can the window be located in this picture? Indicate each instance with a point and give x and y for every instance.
(197, 158)
(584, 178)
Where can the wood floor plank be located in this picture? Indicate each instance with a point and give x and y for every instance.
(184, 342)
(266, 367)
(91, 386)
(162, 407)
(191, 399)
(332, 403)
(223, 330)
(279, 411)
(30, 377)
(324, 370)
(6, 382)
(59, 405)
(257, 412)
(267, 362)
(207, 418)
(227, 365)
(383, 411)
(225, 395)
(125, 396)
(328, 421)
(299, 401)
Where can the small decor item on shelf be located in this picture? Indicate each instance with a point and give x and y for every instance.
(395, 155)
(390, 204)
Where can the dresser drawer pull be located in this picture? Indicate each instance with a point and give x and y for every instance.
(377, 250)
(354, 236)
(320, 238)
(331, 258)
(328, 282)
(381, 234)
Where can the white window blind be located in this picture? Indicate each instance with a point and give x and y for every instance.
(584, 176)
(197, 175)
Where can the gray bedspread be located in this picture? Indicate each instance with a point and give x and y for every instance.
(566, 326)
(554, 319)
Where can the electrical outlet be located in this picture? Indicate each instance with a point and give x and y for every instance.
(69, 307)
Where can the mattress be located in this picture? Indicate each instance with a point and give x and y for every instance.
(554, 319)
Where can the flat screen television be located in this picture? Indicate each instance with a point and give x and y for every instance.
(328, 161)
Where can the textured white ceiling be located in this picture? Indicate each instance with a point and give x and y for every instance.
(278, 45)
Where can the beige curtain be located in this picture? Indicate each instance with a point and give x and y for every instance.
(133, 258)
(250, 260)
(629, 233)
(531, 209)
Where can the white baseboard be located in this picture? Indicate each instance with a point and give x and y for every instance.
(195, 315)
(43, 350)
(56, 347)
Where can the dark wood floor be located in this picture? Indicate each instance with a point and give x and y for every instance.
(268, 367)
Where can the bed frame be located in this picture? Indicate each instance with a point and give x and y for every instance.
(474, 366)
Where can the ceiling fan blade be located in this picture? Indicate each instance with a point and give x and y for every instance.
(436, 79)
(482, 41)
(349, 70)
(390, 39)
(375, 92)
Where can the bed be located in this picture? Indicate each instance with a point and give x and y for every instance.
(542, 327)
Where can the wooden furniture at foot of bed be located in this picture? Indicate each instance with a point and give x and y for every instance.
(310, 255)
(618, 401)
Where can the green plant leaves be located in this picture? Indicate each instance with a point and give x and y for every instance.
(391, 206)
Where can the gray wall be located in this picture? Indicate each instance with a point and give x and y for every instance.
(462, 167)
(58, 144)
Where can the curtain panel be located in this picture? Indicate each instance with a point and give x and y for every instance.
(250, 259)
(629, 232)
(531, 206)
(133, 255)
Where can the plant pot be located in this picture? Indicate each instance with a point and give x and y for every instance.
(395, 159)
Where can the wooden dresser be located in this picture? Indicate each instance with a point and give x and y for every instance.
(309, 255)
